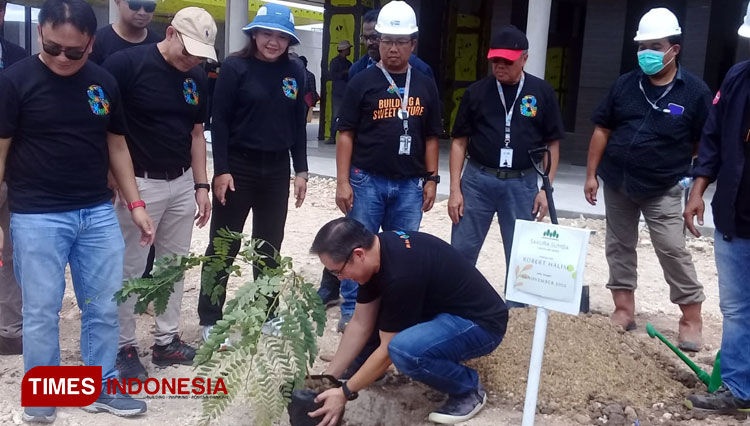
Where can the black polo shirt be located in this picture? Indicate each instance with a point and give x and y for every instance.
(59, 155)
(536, 120)
(162, 105)
(421, 276)
(370, 109)
(650, 150)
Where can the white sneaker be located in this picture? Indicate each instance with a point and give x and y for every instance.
(272, 327)
(207, 330)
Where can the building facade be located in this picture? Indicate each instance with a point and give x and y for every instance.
(590, 44)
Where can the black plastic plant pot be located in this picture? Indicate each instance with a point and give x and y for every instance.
(303, 401)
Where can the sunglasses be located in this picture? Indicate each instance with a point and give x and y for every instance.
(136, 5)
(54, 49)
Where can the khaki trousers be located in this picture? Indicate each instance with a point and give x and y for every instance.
(171, 205)
(663, 216)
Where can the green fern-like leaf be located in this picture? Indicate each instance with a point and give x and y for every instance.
(256, 368)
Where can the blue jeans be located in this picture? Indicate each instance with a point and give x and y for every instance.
(393, 204)
(733, 265)
(432, 352)
(90, 240)
(485, 195)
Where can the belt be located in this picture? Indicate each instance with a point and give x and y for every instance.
(503, 173)
(256, 154)
(170, 174)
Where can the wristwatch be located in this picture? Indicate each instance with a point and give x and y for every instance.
(303, 175)
(202, 185)
(434, 178)
(135, 204)
(348, 394)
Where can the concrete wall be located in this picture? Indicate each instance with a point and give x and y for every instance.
(311, 47)
(602, 49)
(695, 30)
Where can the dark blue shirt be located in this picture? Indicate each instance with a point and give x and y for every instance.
(722, 154)
(11, 53)
(366, 62)
(650, 150)
(339, 75)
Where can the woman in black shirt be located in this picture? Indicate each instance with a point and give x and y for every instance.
(258, 119)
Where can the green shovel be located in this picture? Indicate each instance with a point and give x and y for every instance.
(712, 381)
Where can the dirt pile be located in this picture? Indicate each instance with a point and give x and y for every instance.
(590, 370)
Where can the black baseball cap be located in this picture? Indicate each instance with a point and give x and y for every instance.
(508, 43)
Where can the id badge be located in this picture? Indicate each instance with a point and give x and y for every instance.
(404, 145)
(506, 157)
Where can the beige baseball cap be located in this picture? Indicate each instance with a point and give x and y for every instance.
(198, 31)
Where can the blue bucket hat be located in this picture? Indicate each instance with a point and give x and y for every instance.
(272, 16)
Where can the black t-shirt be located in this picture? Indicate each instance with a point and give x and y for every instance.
(260, 106)
(161, 103)
(370, 109)
(59, 156)
(422, 276)
(108, 42)
(536, 120)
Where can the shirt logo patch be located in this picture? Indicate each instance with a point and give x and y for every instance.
(190, 91)
(289, 85)
(404, 236)
(393, 89)
(528, 106)
(717, 97)
(97, 101)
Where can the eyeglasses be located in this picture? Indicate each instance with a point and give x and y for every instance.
(54, 49)
(136, 5)
(338, 273)
(402, 42)
(371, 38)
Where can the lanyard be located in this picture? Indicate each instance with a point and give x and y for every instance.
(653, 104)
(509, 114)
(403, 113)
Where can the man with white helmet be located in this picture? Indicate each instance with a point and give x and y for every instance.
(724, 157)
(647, 131)
(387, 146)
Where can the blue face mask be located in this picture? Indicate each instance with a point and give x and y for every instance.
(652, 61)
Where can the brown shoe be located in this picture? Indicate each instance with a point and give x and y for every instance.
(11, 346)
(690, 337)
(624, 314)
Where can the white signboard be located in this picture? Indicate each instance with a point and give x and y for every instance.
(546, 266)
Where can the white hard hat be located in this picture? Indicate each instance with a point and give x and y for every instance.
(657, 23)
(397, 18)
(744, 30)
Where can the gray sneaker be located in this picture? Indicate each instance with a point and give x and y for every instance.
(460, 408)
(116, 403)
(39, 414)
(722, 401)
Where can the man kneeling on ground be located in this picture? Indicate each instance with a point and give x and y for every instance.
(433, 309)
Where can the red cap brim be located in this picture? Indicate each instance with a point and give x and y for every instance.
(508, 54)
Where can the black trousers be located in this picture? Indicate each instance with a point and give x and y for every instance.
(261, 181)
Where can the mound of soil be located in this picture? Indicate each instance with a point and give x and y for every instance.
(589, 368)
